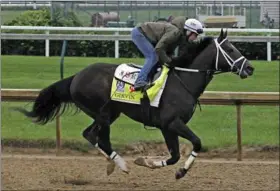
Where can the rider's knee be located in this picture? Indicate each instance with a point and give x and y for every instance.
(154, 57)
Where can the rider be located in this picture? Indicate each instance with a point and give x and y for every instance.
(155, 39)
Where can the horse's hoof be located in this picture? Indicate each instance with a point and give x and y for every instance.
(110, 168)
(125, 168)
(146, 163)
(180, 173)
(126, 171)
(122, 164)
(143, 162)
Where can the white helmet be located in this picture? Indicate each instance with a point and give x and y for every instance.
(193, 25)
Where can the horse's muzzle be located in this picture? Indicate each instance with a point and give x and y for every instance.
(247, 70)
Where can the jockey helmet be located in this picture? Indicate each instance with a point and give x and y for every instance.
(193, 25)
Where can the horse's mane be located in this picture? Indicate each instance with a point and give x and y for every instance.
(203, 43)
(191, 51)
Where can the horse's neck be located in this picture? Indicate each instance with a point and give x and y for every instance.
(204, 60)
(197, 82)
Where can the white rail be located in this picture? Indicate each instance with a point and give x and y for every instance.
(117, 37)
(114, 29)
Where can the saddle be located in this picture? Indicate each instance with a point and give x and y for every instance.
(125, 77)
(128, 73)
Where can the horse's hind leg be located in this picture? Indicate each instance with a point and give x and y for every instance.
(89, 132)
(92, 132)
(172, 142)
(100, 138)
(105, 144)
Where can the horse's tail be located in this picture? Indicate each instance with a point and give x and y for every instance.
(50, 100)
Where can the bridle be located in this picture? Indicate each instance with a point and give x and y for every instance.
(229, 60)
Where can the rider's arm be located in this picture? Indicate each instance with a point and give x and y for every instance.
(167, 39)
(182, 60)
(183, 46)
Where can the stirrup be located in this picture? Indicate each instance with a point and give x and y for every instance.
(142, 89)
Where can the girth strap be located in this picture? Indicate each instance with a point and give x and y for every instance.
(145, 108)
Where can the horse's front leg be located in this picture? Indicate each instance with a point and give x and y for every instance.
(172, 142)
(177, 126)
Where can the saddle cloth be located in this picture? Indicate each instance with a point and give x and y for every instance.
(126, 75)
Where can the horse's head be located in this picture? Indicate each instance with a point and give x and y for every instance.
(228, 58)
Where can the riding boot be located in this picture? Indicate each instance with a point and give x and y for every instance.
(140, 85)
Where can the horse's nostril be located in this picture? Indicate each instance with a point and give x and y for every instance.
(250, 70)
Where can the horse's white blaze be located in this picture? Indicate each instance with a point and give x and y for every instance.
(190, 160)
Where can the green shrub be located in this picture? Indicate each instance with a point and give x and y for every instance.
(40, 17)
(252, 51)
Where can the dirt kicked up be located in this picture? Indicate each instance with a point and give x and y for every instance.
(47, 172)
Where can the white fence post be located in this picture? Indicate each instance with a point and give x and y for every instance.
(268, 50)
(117, 46)
(47, 45)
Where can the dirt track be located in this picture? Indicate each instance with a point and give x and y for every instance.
(22, 172)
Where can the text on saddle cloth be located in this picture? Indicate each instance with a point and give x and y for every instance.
(125, 76)
(127, 73)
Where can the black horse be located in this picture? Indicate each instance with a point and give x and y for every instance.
(90, 90)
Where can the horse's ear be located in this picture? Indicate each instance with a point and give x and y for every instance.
(225, 35)
(221, 35)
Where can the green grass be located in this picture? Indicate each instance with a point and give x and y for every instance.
(20, 71)
(215, 125)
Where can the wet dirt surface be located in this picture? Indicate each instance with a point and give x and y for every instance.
(49, 172)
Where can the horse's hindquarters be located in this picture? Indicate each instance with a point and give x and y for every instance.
(90, 89)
